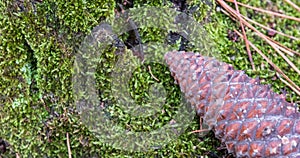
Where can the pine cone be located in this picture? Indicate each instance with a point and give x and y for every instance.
(249, 118)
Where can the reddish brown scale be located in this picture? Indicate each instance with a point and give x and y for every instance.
(249, 118)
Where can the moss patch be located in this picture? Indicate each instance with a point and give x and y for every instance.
(38, 45)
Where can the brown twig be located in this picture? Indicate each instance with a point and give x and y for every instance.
(266, 11)
(68, 145)
(244, 36)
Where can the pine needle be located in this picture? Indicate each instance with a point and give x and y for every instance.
(264, 37)
(266, 11)
(244, 36)
(293, 5)
(278, 47)
(292, 85)
(269, 29)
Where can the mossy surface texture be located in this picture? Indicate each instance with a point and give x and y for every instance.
(38, 43)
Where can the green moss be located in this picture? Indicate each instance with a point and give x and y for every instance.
(38, 45)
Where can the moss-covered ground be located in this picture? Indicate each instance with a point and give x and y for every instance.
(38, 42)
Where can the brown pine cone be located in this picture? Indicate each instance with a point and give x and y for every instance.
(248, 117)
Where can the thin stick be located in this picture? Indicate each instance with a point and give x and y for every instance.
(267, 11)
(294, 87)
(68, 145)
(200, 131)
(293, 5)
(244, 36)
(152, 74)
